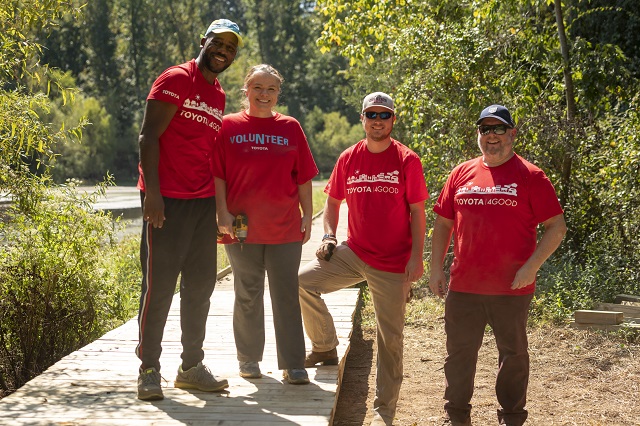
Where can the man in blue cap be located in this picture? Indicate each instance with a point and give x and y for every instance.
(493, 205)
(182, 119)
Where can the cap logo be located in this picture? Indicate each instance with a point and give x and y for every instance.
(493, 109)
(380, 100)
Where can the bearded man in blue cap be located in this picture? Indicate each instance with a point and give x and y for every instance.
(492, 205)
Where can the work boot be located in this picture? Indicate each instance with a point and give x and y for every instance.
(199, 377)
(296, 376)
(149, 388)
(325, 358)
(250, 370)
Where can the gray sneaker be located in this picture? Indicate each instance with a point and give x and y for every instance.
(199, 377)
(250, 370)
(296, 376)
(149, 388)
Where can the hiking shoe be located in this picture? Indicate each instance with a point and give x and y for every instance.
(250, 370)
(296, 376)
(325, 358)
(149, 388)
(378, 420)
(199, 377)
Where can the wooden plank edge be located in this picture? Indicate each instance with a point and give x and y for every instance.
(604, 327)
(627, 298)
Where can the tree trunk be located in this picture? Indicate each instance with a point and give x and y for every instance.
(571, 103)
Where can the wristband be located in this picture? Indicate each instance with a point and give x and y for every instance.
(329, 237)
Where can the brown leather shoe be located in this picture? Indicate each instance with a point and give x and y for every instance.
(325, 358)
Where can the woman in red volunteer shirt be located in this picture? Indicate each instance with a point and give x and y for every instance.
(263, 169)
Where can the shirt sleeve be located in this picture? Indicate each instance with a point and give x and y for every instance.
(544, 200)
(306, 166)
(444, 204)
(219, 169)
(171, 86)
(336, 185)
(416, 186)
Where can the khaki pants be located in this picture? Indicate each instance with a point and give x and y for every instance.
(389, 295)
(250, 262)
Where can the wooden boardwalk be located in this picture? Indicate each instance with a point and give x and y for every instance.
(96, 385)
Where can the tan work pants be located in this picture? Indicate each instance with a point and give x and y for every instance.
(389, 295)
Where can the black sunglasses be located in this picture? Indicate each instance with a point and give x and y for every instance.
(498, 129)
(385, 115)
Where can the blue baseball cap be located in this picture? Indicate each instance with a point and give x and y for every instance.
(225, 26)
(497, 111)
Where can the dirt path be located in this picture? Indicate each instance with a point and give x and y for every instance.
(577, 378)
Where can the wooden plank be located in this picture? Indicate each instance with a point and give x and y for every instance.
(604, 327)
(598, 317)
(630, 312)
(627, 298)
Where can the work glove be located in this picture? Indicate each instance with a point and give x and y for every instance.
(328, 245)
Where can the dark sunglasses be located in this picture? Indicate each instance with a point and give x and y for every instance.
(498, 129)
(385, 115)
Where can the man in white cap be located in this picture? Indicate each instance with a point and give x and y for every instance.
(493, 204)
(182, 118)
(384, 186)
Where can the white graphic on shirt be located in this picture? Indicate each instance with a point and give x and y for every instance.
(390, 177)
(260, 139)
(190, 109)
(367, 180)
(470, 188)
(202, 106)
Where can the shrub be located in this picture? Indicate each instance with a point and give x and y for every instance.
(59, 288)
(567, 283)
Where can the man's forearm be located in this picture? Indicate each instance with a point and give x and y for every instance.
(331, 216)
(440, 240)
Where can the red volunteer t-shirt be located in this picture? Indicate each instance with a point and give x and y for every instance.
(379, 189)
(186, 146)
(496, 211)
(263, 160)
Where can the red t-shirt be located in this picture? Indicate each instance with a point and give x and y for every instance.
(263, 160)
(379, 189)
(186, 146)
(496, 211)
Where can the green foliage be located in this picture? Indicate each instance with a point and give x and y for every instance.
(17, 20)
(568, 283)
(121, 288)
(443, 61)
(59, 288)
(318, 197)
(26, 140)
(329, 134)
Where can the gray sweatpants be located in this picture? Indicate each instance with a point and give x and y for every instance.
(185, 246)
(389, 293)
(249, 263)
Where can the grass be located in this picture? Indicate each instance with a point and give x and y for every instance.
(319, 198)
